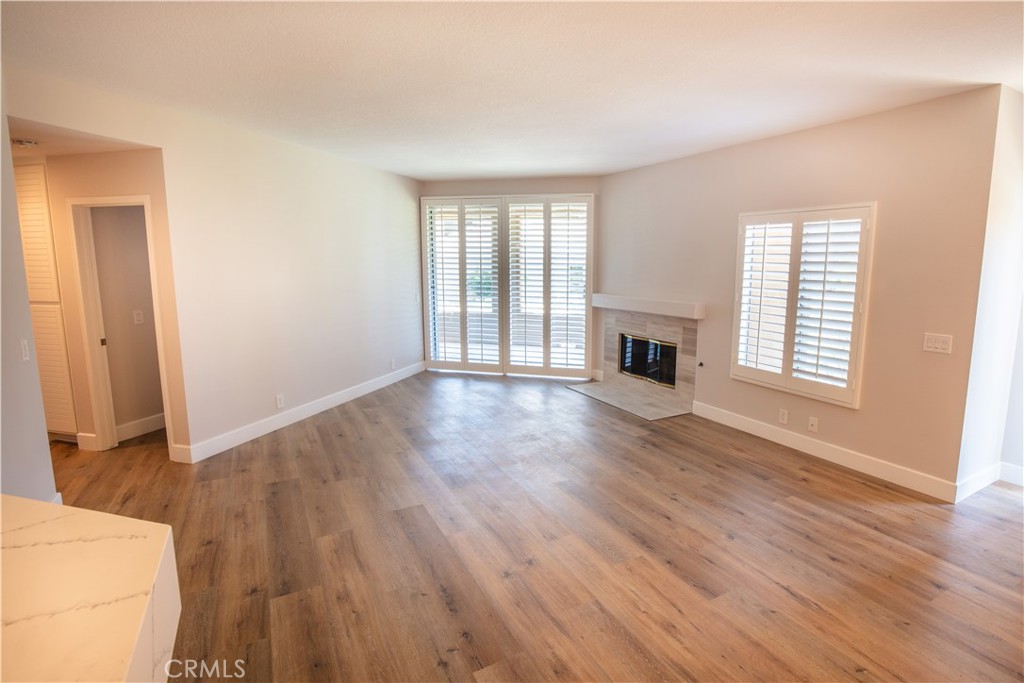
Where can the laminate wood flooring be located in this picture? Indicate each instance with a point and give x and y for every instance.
(461, 528)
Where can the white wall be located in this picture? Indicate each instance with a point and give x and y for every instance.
(25, 466)
(122, 270)
(295, 271)
(999, 305)
(669, 231)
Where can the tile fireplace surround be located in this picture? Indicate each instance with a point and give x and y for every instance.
(666, 321)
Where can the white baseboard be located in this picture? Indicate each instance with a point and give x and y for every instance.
(130, 430)
(221, 443)
(977, 481)
(861, 462)
(180, 453)
(87, 442)
(58, 499)
(1012, 474)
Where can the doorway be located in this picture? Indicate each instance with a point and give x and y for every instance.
(126, 306)
(122, 335)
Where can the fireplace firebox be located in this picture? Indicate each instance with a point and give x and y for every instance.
(649, 359)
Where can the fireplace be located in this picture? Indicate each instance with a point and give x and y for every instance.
(649, 359)
(661, 349)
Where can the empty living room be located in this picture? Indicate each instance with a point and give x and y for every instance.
(512, 341)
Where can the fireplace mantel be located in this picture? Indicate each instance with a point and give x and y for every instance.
(676, 309)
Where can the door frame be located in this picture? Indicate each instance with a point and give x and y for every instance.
(96, 365)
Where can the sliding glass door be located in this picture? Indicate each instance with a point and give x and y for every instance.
(507, 284)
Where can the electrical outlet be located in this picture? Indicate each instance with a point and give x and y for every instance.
(280, 401)
(24, 350)
(812, 425)
(783, 416)
(137, 317)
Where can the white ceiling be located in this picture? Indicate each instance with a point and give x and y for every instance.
(471, 90)
(54, 141)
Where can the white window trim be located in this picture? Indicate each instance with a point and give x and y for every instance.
(848, 397)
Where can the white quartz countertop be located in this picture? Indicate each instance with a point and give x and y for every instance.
(86, 595)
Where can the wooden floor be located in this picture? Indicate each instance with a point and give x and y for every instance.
(476, 528)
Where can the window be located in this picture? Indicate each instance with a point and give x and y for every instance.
(444, 290)
(801, 286)
(507, 283)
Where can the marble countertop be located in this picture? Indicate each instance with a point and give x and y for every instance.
(86, 595)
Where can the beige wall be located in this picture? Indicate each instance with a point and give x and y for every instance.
(111, 175)
(669, 231)
(122, 269)
(24, 451)
(294, 271)
(512, 186)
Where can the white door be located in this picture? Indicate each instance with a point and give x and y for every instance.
(45, 299)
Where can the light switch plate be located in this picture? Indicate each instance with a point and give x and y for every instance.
(938, 343)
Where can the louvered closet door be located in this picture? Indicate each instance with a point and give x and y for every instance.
(54, 371)
(44, 299)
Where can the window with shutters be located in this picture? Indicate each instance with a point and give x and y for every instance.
(507, 283)
(444, 288)
(526, 283)
(801, 296)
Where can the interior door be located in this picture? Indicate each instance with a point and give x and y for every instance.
(45, 301)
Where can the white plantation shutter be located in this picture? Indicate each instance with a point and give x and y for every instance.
(507, 283)
(800, 310)
(764, 290)
(444, 290)
(826, 295)
(568, 323)
(482, 322)
(526, 284)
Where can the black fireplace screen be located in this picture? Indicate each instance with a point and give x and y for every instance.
(648, 359)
